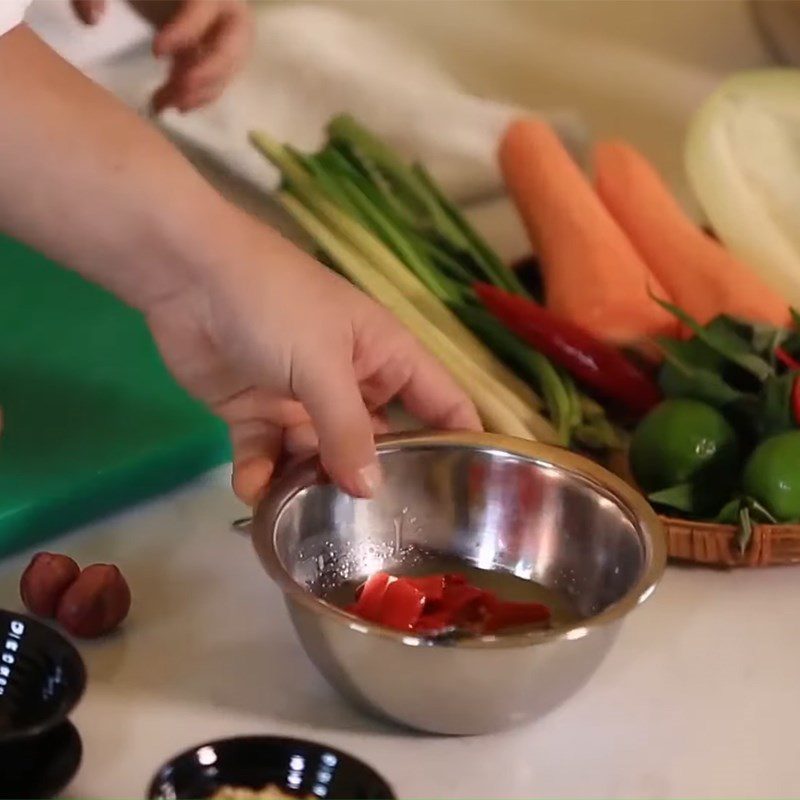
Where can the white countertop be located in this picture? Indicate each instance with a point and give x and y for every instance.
(698, 698)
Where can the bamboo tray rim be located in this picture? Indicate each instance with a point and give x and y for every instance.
(714, 544)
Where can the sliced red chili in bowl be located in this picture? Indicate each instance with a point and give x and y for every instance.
(433, 603)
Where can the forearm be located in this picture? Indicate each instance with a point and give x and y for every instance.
(86, 181)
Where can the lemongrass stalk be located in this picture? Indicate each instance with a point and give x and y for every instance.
(489, 396)
(414, 181)
(495, 416)
(420, 265)
(529, 362)
(497, 272)
(518, 395)
(391, 267)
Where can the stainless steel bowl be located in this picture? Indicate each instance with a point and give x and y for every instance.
(504, 505)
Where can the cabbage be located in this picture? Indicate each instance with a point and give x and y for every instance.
(743, 161)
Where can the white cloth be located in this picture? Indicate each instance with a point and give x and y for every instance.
(57, 23)
(312, 62)
(12, 12)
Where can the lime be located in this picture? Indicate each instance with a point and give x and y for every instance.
(772, 476)
(683, 441)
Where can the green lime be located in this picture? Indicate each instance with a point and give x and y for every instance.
(772, 476)
(683, 441)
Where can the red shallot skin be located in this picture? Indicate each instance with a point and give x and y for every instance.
(44, 582)
(96, 603)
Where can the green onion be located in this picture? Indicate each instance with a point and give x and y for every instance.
(388, 228)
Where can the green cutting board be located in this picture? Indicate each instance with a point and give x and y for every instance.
(92, 420)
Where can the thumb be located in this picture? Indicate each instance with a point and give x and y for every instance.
(332, 398)
(89, 11)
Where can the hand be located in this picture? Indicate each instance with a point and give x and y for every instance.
(295, 359)
(289, 354)
(206, 40)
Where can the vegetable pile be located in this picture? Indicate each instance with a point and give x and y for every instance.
(634, 319)
(387, 227)
(433, 604)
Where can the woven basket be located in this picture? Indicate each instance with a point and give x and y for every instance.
(715, 545)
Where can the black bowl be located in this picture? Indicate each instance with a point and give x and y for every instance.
(40, 766)
(292, 765)
(42, 677)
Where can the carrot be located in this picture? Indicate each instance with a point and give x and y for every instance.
(592, 274)
(704, 279)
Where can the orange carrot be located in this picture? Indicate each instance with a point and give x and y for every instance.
(593, 276)
(703, 278)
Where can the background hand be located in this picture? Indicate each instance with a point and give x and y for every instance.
(207, 42)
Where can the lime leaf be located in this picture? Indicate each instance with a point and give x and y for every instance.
(729, 513)
(681, 378)
(745, 533)
(775, 413)
(681, 497)
(724, 341)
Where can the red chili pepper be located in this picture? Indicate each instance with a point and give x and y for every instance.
(433, 603)
(431, 623)
(796, 400)
(402, 605)
(369, 601)
(505, 614)
(597, 364)
(464, 603)
(787, 359)
(432, 586)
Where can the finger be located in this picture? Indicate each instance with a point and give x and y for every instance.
(186, 29)
(301, 441)
(380, 423)
(330, 393)
(221, 55)
(256, 449)
(257, 419)
(425, 387)
(260, 404)
(169, 94)
(433, 396)
(189, 101)
(173, 95)
(163, 98)
(89, 11)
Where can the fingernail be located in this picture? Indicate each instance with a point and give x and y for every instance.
(369, 480)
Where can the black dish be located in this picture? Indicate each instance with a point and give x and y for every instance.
(292, 765)
(42, 677)
(40, 766)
